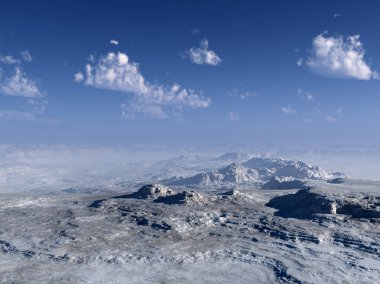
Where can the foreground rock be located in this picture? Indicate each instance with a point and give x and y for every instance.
(309, 203)
(151, 191)
(184, 197)
(201, 237)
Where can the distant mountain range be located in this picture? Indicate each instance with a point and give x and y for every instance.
(268, 173)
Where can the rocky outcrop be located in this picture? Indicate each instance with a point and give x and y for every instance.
(283, 183)
(286, 168)
(151, 191)
(184, 197)
(308, 203)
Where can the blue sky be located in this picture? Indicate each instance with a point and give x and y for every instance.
(189, 72)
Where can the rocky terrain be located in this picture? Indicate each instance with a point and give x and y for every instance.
(256, 221)
(327, 233)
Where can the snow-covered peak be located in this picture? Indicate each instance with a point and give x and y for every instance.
(258, 171)
(237, 173)
(234, 173)
(286, 168)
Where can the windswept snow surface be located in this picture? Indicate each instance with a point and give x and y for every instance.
(169, 236)
(103, 215)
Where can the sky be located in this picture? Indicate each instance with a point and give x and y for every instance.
(189, 72)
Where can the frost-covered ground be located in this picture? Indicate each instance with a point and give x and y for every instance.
(76, 215)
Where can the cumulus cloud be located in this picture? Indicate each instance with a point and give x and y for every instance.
(233, 116)
(26, 56)
(306, 95)
(202, 55)
(15, 82)
(236, 93)
(159, 101)
(20, 85)
(78, 77)
(114, 42)
(288, 110)
(340, 57)
(9, 60)
(116, 72)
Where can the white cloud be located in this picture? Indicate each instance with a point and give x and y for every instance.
(233, 116)
(116, 72)
(15, 82)
(16, 115)
(309, 97)
(299, 62)
(135, 107)
(8, 59)
(20, 85)
(336, 15)
(159, 101)
(202, 55)
(26, 56)
(235, 93)
(38, 105)
(114, 42)
(340, 57)
(306, 95)
(78, 77)
(288, 110)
